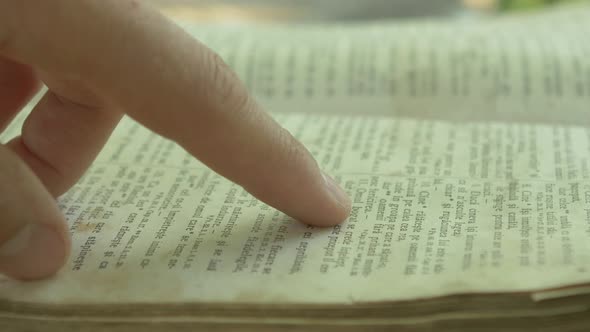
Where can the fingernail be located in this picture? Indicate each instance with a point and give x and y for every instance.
(337, 192)
(36, 251)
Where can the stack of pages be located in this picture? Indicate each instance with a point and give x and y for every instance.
(464, 145)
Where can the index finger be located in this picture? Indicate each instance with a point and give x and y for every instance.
(139, 61)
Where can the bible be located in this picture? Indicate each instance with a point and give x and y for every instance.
(464, 145)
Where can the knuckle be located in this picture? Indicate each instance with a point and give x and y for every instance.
(224, 87)
(289, 152)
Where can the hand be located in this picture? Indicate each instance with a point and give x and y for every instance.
(101, 59)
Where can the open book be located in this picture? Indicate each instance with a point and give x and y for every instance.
(465, 147)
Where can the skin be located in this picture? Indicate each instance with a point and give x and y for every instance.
(101, 59)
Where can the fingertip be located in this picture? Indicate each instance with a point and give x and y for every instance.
(341, 204)
(326, 205)
(36, 251)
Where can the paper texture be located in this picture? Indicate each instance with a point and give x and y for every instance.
(484, 204)
(511, 68)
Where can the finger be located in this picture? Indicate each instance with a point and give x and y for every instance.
(61, 138)
(179, 88)
(33, 238)
(18, 85)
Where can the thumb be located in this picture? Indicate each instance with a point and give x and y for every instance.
(33, 236)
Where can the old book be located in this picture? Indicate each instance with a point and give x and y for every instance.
(465, 147)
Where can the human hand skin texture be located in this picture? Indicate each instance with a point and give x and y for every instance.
(101, 59)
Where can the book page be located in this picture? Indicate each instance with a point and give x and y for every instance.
(523, 67)
(439, 206)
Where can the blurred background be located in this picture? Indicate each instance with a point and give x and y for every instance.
(341, 10)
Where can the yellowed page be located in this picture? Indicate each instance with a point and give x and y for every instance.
(523, 66)
(440, 207)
